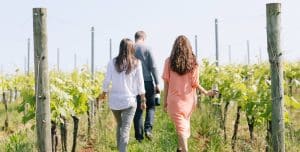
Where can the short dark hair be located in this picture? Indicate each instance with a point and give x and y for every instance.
(139, 34)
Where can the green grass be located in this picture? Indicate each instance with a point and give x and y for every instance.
(15, 118)
(164, 139)
(19, 142)
(206, 134)
(17, 138)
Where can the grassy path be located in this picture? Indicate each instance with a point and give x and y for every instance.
(204, 136)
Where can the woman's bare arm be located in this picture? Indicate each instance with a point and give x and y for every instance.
(205, 92)
(166, 88)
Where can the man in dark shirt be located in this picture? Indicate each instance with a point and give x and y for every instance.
(143, 53)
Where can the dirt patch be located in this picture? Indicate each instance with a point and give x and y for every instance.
(89, 147)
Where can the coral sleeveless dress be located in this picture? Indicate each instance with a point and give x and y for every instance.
(181, 99)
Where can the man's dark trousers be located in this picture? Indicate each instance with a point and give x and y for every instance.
(150, 110)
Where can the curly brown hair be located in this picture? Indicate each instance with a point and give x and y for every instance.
(182, 59)
(126, 61)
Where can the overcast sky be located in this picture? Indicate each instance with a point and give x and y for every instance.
(69, 25)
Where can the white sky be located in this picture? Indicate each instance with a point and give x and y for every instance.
(69, 24)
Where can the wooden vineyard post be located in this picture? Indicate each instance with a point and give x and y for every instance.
(110, 49)
(75, 61)
(28, 56)
(229, 54)
(248, 52)
(275, 57)
(4, 98)
(42, 94)
(92, 52)
(196, 46)
(217, 42)
(58, 59)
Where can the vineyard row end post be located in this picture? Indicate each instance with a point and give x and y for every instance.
(273, 12)
(42, 94)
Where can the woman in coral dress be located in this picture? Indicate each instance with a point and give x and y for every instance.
(181, 80)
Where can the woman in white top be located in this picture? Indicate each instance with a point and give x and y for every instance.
(125, 75)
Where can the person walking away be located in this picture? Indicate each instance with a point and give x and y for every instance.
(151, 82)
(181, 80)
(124, 74)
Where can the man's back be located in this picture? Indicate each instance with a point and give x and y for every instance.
(143, 53)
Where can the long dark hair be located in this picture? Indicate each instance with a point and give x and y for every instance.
(126, 61)
(182, 59)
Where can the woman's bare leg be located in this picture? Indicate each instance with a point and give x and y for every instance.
(183, 143)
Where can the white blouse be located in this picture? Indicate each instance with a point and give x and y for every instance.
(124, 87)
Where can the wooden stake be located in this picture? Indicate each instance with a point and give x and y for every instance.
(275, 57)
(217, 42)
(42, 93)
(229, 54)
(75, 61)
(28, 55)
(196, 46)
(248, 52)
(260, 59)
(92, 49)
(25, 65)
(57, 59)
(110, 49)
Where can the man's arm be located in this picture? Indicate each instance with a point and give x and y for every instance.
(153, 68)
